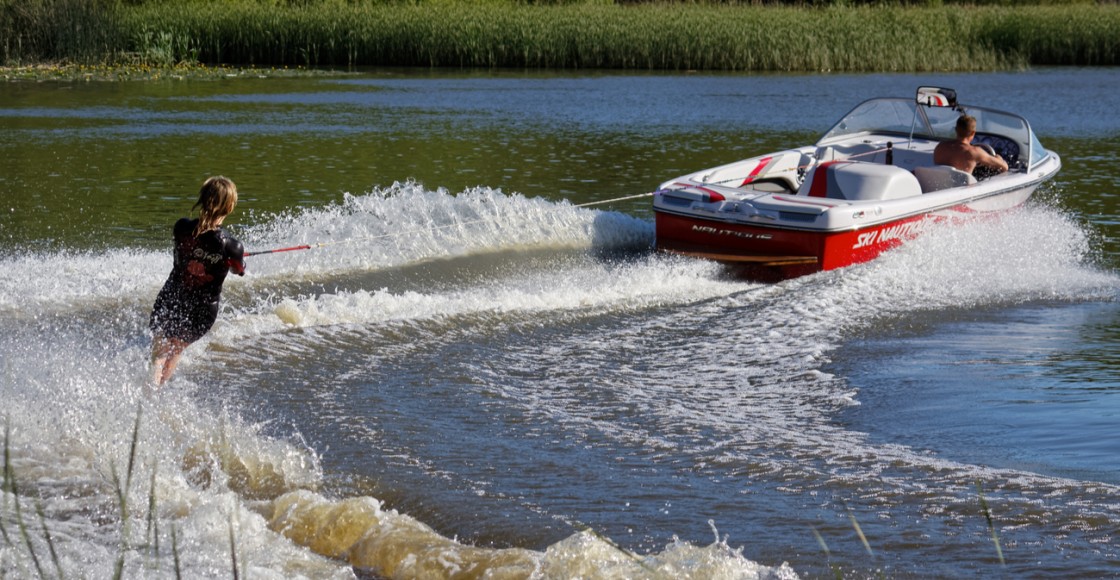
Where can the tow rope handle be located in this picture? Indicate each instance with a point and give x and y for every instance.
(277, 250)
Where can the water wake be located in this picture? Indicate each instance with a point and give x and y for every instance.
(176, 482)
(406, 223)
(180, 480)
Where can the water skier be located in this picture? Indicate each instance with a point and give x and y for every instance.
(204, 254)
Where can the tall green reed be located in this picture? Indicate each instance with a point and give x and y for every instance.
(10, 487)
(49, 539)
(647, 36)
(122, 489)
(836, 571)
(33, 31)
(233, 547)
(4, 488)
(991, 524)
(511, 34)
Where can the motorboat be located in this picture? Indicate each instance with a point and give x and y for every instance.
(868, 185)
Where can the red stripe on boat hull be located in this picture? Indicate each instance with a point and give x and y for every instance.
(832, 249)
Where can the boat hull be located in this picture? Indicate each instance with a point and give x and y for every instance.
(770, 253)
(773, 253)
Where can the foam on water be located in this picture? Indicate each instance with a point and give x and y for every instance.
(174, 482)
(745, 387)
(754, 394)
(1027, 254)
(406, 223)
(37, 283)
(761, 351)
(586, 288)
(399, 225)
(72, 396)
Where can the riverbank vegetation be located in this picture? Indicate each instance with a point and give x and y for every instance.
(825, 36)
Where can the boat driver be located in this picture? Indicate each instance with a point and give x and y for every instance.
(963, 155)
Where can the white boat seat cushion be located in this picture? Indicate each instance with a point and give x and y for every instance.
(938, 177)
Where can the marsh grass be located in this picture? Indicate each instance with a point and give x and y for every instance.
(49, 30)
(152, 533)
(49, 538)
(839, 574)
(649, 36)
(175, 553)
(4, 490)
(123, 491)
(511, 34)
(652, 37)
(233, 548)
(8, 487)
(139, 71)
(859, 532)
(991, 524)
(11, 487)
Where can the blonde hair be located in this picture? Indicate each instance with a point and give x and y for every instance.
(966, 125)
(216, 200)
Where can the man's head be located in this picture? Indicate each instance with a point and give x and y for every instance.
(966, 126)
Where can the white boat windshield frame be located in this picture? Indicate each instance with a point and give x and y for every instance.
(902, 117)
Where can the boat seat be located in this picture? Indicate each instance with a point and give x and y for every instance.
(938, 177)
(908, 158)
(859, 181)
(860, 151)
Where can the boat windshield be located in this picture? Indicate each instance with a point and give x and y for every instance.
(897, 116)
(877, 116)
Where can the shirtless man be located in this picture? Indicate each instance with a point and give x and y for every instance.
(962, 154)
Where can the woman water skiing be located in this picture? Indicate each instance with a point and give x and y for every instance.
(187, 306)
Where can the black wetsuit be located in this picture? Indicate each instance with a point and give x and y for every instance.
(187, 306)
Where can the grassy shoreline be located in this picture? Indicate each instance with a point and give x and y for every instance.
(72, 72)
(498, 34)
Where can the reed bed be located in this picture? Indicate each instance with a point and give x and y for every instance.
(659, 36)
(35, 31)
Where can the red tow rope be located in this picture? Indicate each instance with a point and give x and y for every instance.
(291, 249)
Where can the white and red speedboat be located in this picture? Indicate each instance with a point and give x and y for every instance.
(866, 186)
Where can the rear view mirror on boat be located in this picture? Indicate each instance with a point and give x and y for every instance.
(937, 97)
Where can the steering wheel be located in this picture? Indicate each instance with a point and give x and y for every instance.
(1004, 147)
(982, 172)
(986, 147)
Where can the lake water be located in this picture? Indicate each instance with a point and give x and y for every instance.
(470, 375)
